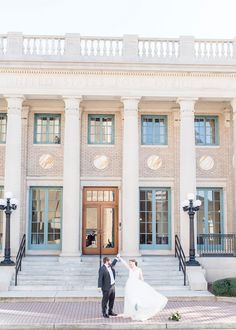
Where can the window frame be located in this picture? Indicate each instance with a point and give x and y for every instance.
(205, 117)
(157, 246)
(45, 245)
(153, 117)
(5, 115)
(38, 115)
(101, 116)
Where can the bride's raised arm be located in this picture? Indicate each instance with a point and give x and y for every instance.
(123, 262)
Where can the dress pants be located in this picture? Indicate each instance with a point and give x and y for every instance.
(108, 297)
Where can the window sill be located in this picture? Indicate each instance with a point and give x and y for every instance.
(101, 145)
(47, 145)
(154, 145)
(208, 146)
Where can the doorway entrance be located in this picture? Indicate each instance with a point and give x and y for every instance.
(100, 220)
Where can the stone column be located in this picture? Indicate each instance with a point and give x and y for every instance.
(71, 179)
(233, 104)
(187, 164)
(13, 172)
(130, 178)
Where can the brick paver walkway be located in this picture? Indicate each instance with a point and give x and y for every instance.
(89, 312)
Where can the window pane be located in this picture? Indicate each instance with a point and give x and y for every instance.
(154, 129)
(47, 129)
(3, 127)
(155, 225)
(205, 130)
(101, 129)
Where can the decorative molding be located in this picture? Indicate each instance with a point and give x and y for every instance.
(206, 163)
(227, 115)
(46, 161)
(101, 162)
(72, 104)
(154, 162)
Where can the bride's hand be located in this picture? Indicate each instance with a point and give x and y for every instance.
(118, 256)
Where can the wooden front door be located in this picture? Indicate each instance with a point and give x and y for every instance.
(100, 220)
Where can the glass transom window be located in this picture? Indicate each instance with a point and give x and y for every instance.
(47, 129)
(3, 127)
(206, 130)
(1, 219)
(154, 218)
(154, 129)
(101, 129)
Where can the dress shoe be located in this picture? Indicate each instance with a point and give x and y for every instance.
(106, 316)
(112, 314)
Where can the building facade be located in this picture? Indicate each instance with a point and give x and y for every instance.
(101, 139)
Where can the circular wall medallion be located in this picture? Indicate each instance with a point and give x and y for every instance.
(154, 162)
(101, 162)
(46, 161)
(206, 163)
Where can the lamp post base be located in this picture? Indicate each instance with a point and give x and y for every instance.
(7, 263)
(192, 263)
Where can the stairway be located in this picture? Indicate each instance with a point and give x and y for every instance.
(49, 273)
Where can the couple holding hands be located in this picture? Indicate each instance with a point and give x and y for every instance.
(141, 301)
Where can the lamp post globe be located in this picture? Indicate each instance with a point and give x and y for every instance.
(191, 206)
(7, 205)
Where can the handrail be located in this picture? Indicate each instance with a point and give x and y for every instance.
(179, 252)
(20, 255)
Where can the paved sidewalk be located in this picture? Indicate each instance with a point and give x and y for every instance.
(87, 315)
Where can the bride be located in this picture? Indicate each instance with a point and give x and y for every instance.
(141, 300)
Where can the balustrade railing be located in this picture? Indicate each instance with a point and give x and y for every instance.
(216, 245)
(158, 48)
(3, 44)
(43, 45)
(94, 46)
(213, 49)
(131, 48)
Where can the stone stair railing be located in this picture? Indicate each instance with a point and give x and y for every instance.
(129, 48)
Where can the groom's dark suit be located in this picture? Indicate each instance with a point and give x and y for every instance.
(108, 289)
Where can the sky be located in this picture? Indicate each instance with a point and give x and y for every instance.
(147, 18)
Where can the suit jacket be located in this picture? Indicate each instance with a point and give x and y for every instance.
(104, 279)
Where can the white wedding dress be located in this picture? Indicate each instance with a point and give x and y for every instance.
(141, 300)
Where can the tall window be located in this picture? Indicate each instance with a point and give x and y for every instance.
(45, 218)
(3, 127)
(1, 219)
(101, 129)
(155, 218)
(206, 130)
(210, 215)
(154, 129)
(47, 129)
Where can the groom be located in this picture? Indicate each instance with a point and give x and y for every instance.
(106, 284)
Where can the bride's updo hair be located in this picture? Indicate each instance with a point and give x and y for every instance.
(135, 261)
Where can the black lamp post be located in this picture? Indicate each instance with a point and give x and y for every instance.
(191, 206)
(8, 204)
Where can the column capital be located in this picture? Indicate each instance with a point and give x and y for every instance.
(233, 105)
(72, 103)
(14, 103)
(186, 102)
(130, 103)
